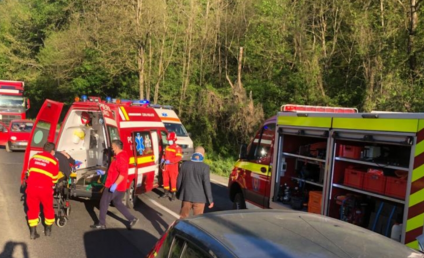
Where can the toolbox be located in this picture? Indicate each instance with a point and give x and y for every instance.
(314, 203)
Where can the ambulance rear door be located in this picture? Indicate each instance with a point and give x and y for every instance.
(44, 130)
(145, 146)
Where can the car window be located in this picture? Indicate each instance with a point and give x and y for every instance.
(143, 144)
(164, 137)
(192, 252)
(176, 248)
(113, 132)
(41, 134)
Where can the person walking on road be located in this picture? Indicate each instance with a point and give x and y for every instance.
(115, 187)
(194, 186)
(42, 175)
(173, 155)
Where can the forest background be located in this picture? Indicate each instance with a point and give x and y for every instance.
(224, 65)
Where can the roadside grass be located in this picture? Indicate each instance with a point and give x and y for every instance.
(220, 166)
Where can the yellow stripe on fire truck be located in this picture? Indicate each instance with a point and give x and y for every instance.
(123, 114)
(415, 219)
(253, 168)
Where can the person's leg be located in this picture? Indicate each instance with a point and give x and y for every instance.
(33, 205)
(173, 177)
(198, 208)
(49, 216)
(117, 201)
(185, 209)
(104, 205)
(165, 178)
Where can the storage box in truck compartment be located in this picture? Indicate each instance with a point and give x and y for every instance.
(374, 183)
(354, 178)
(396, 187)
(351, 152)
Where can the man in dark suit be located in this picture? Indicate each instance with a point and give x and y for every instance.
(194, 186)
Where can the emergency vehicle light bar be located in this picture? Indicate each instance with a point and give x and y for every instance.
(320, 109)
(161, 106)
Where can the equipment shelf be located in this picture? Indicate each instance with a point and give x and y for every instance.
(303, 157)
(369, 193)
(307, 181)
(363, 162)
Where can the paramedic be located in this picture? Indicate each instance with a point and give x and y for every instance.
(194, 186)
(173, 155)
(42, 175)
(115, 186)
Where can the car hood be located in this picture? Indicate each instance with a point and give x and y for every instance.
(293, 234)
(20, 136)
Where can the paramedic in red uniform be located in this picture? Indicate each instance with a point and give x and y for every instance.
(173, 155)
(42, 175)
(115, 186)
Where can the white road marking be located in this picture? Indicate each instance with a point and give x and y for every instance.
(217, 182)
(175, 215)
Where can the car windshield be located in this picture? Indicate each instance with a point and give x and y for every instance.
(21, 127)
(178, 129)
(14, 101)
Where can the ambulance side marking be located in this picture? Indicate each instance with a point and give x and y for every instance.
(131, 171)
(131, 124)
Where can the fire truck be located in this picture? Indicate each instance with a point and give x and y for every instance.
(363, 168)
(13, 104)
(86, 133)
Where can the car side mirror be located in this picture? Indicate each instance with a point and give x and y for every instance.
(243, 151)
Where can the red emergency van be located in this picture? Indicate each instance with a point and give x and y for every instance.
(86, 133)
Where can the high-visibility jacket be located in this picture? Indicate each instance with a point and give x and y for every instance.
(43, 170)
(173, 153)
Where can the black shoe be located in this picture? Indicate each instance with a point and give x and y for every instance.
(173, 197)
(98, 226)
(33, 233)
(132, 223)
(165, 194)
(48, 230)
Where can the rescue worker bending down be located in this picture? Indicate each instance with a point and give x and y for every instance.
(42, 175)
(173, 155)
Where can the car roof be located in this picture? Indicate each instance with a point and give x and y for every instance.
(277, 233)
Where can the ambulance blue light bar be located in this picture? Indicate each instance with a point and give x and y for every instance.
(141, 102)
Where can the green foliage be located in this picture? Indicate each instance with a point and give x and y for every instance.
(315, 52)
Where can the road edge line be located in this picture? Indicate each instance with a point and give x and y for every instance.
(175, 215)
(217, 182)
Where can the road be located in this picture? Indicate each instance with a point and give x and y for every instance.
(76, 239)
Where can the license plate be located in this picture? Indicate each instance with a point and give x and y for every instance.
(23, 143)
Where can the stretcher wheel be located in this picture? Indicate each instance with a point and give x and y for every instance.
(61, 222)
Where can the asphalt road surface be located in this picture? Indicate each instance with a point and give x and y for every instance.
(76, 239)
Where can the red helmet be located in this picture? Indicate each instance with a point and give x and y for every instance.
(172, 137)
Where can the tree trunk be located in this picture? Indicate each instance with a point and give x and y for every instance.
(240, 63)
(140, 63)
(412, 31)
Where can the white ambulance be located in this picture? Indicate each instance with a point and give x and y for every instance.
(173, 124)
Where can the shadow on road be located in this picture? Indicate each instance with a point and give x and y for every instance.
(9, 249)
(152, 215)
(92, 204)
(110, 243)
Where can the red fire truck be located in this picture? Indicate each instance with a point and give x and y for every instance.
(13, 104)
(86, 133)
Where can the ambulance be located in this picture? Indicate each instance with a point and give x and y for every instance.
(363, 168)
(173, 124)
(86, 133)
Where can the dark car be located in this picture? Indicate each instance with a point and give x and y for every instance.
(273, 233)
